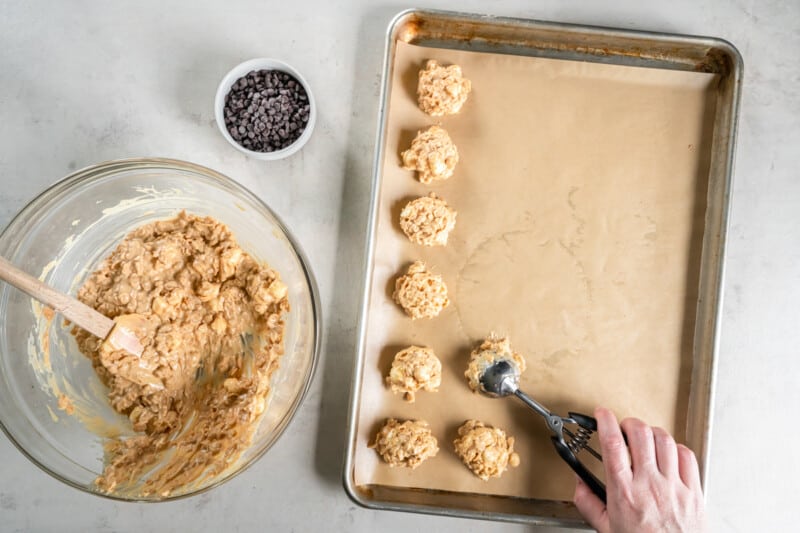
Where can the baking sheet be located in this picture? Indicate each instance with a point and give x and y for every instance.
(581, 194)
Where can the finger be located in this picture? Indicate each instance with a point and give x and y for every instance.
(688, 468)
(666, 453)
(612, 444)
(641, 445)
(591, 507)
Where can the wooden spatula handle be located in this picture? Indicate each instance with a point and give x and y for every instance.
(75, 310)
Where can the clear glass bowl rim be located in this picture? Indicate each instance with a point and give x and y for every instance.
(100, 170)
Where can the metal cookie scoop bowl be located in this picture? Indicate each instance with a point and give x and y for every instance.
(501, 379)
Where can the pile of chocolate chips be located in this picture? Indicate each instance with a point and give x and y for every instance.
(266, 110)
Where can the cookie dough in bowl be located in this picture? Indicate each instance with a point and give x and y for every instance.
(232, 330)
(201, 295)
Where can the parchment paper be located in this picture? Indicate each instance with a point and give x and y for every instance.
(581, 194)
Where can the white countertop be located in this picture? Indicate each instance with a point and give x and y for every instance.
(84, 82)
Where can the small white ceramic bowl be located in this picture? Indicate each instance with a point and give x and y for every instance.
(241, 70)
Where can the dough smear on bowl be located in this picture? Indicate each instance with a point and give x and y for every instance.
(432, 155)
(214, 319)
(428, 220)
(407, 443)
(485, 450)
(442, 90)
(421, 293)
(414, 368)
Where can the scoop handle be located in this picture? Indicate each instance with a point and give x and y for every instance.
(72, 309)
(566, 454)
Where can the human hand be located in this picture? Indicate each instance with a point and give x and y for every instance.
(657, 489)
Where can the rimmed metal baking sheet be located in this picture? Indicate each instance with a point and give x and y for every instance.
(437, 29)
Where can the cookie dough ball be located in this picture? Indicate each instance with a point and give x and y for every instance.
(442, 90)
(406, 443)
(432, 154)
(413, 369)
(420, 293)
(428, 220)
(491, 350)
(487, 451)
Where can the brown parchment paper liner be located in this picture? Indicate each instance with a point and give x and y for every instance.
(581, 194)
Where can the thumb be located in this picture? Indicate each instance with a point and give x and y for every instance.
(591, 507)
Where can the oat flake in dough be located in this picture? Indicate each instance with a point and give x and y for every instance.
(200, 295)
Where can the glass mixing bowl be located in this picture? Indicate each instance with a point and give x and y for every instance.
(61, 237)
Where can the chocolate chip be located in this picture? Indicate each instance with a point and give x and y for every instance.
(266, 110)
